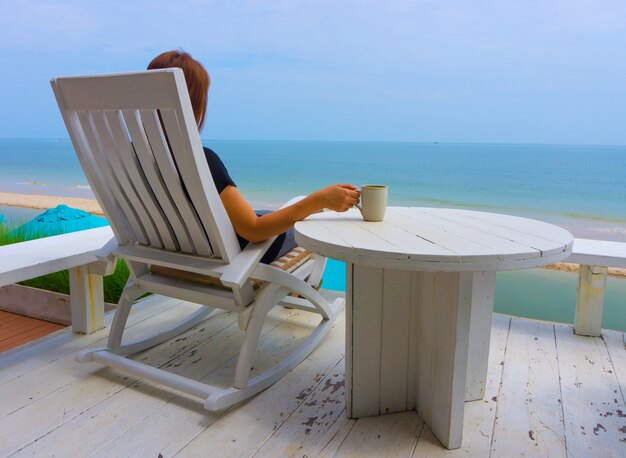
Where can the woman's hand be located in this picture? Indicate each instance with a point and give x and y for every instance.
(338, 197)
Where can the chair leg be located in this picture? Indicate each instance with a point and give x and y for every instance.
(263, 304)
(229, 396)
(318, 270)
(276, 276)
(130, 293)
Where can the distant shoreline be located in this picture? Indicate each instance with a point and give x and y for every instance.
(90, 205)
(43, 202)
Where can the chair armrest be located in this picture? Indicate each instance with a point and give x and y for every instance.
(105, 264)
(237, 272)
(107, 252)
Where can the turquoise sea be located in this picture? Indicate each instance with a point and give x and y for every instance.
(569, 181)
(581, 187)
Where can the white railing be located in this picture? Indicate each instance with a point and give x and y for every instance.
(78, 251)
(75, 251)
(594, 257)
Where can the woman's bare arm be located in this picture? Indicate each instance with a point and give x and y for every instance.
(247, 224)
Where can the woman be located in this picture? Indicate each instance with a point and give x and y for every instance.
(250, 226)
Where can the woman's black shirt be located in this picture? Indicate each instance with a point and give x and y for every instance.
(221, 178)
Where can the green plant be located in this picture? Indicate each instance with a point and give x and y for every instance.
(9, 235)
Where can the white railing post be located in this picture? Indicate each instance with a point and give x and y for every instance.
(87, 300)
(590, 301)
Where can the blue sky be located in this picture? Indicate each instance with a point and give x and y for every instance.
(484, 71)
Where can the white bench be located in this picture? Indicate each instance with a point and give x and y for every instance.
(594, 257)
(75, 251)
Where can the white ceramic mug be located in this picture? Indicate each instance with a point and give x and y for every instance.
(373, 202)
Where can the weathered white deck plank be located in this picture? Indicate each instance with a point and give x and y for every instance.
(48, 378)
(334, 437)
(385, 436)
(529, 418)
(18, 364)
(244, 429)
(616, 345)
(47, 419)
(595, 423)
(97, 412)
(306, 427)
(141, 403)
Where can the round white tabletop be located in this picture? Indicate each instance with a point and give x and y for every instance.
(435, 239)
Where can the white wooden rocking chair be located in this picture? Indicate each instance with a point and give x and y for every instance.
(137, 141)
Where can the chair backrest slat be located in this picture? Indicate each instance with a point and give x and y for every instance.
(112, 209)
(136, 184)
(159, 203)
(196, 175)
(99, 164)
(136, 138)
(195, 239)
(126, 195)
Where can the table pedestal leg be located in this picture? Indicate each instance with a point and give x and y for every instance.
(483, 290)
(443, 303)
(407, 345)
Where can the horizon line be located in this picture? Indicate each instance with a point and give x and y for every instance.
(364, 141)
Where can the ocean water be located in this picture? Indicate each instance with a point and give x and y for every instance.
(541, 294)
(39, 162)
(580, 187)
(576, 182)
(16, 216)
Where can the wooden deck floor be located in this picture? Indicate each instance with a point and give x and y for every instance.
(16, 330)
(549, 393)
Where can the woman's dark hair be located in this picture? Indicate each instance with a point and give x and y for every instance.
(196, 76)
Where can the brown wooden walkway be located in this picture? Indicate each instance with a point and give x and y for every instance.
(16, 330)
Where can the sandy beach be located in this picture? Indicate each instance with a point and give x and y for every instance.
(44, 202)
(569, 267)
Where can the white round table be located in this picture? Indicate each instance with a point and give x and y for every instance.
(419, 299)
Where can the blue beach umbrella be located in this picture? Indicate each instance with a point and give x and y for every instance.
(60, 220)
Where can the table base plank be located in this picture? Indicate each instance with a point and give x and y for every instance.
(483, 291)
(395, 335)
(407, 344)
(452, 293)
(365, 348)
